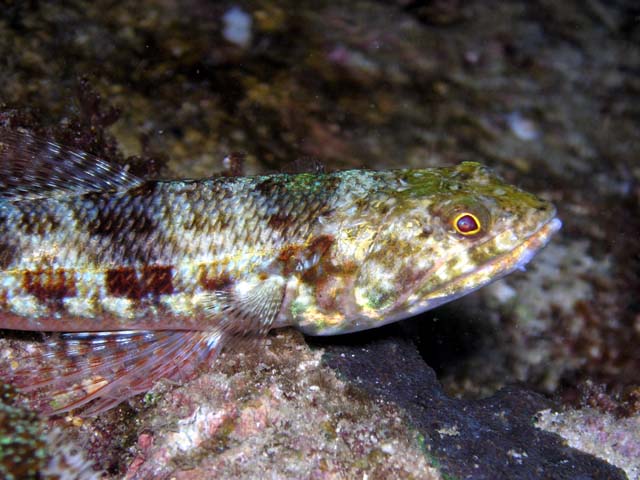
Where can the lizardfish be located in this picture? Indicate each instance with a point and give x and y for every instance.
(147, 279)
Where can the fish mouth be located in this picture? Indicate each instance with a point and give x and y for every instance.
(486, 273)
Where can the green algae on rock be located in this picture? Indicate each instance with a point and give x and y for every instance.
(29, 450)
(22, 439)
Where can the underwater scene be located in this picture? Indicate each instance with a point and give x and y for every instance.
(326, 240)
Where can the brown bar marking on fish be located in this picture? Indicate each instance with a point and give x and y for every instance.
(288, 252)
(319, 247)
(50, 286)
(38, 223)
(294, 255)
(110, 220)
(289, 256)
(8, 253)
(221, 282)
(107, 222)
(320, 244)
(280, 222)
(123, 282)
(156, 280)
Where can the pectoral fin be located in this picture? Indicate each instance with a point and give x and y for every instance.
(247, 308)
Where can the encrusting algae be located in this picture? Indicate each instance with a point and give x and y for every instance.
(22, 441)
(29, 451)
(146, 279)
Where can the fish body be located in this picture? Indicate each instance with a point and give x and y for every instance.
(149, 278)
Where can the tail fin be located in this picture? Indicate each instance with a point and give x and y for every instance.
(99, 370)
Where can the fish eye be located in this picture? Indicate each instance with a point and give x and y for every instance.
(467, 224)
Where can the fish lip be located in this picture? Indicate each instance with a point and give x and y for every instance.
(492, 270)
(537, 240)
(517, 258)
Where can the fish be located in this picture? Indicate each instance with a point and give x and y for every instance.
(136, 279)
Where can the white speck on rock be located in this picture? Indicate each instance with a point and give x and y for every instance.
(388, 448)
(237, 27)
(517, 456)
(523, 128)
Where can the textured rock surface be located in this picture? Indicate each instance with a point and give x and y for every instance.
(481, 439)
(278, 412)
(601, 434)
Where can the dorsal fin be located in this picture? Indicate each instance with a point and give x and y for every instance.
(32, 167)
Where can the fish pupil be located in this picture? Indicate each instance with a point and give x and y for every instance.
(467, 224)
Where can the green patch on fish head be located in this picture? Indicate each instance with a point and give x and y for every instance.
(449, 232)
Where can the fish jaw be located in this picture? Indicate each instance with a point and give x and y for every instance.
(418, 302)
(491, 271)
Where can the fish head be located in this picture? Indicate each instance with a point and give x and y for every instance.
(448, 232)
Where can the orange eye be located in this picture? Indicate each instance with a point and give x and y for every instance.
(466, 224)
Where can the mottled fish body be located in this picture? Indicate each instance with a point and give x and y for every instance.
(149, 278)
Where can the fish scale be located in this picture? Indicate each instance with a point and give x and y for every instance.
(148, 279)
(134, 245)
